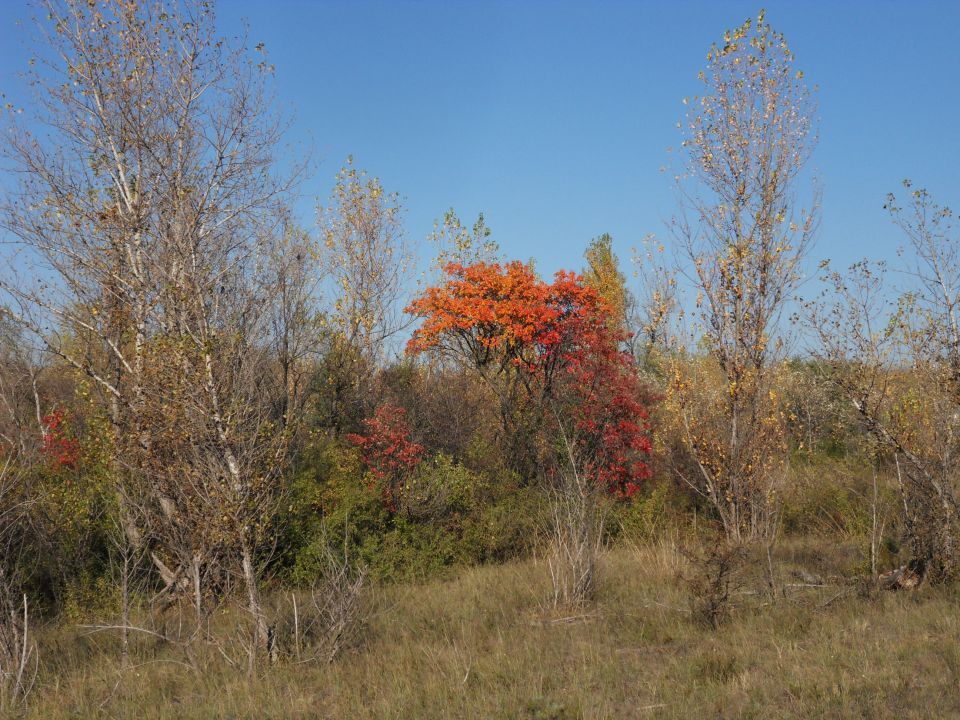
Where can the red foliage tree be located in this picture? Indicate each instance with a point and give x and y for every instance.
(555, 342)
(606, 405)
(503, 315)
(387, 450)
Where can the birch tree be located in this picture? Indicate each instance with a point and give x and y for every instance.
(145, 230)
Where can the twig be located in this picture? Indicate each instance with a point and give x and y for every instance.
(845, 591)
(296, 625)
(93, 629)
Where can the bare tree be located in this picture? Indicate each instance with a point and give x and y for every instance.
(148, 227)
(578, 505)
(21, 422)
(742, 231)
(896, 360)
(649, 316)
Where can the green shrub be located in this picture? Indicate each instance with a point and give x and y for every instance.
(448, 516)
(645, 515)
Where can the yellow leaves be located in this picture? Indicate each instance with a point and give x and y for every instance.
(603, 275)
(364, 246)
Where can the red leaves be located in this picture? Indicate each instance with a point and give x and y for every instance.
(557, 335)
(61, 450)
(387, 450)
(608, 403)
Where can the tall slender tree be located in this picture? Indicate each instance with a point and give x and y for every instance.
(745, 234)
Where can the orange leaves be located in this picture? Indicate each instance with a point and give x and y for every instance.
(558, 338)
(502, 310)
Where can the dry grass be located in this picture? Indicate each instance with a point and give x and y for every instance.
(484, 646)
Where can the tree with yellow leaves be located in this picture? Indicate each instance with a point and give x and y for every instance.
(603, 274)
(364, 248)
(747, 138)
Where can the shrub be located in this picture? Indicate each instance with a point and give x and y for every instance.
(447, 516)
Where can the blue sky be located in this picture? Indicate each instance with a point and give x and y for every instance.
(554, 118)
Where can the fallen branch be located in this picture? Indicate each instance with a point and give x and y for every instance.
(904, 577)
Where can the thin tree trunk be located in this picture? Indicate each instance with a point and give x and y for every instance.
(253, 597)
(125, 609)
(197, 597)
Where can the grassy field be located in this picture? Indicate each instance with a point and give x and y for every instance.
(482, 645)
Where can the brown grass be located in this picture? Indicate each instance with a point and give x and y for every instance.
(484, 645)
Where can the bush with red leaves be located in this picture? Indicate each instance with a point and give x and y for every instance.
(61, 450)
(387, 450)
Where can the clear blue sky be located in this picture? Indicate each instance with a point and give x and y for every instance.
(553, 118)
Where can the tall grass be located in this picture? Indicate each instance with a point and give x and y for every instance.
(484, 645)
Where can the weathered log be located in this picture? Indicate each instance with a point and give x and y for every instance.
(905, 577)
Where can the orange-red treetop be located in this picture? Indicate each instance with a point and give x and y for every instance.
(557, 333)
(489, 312)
